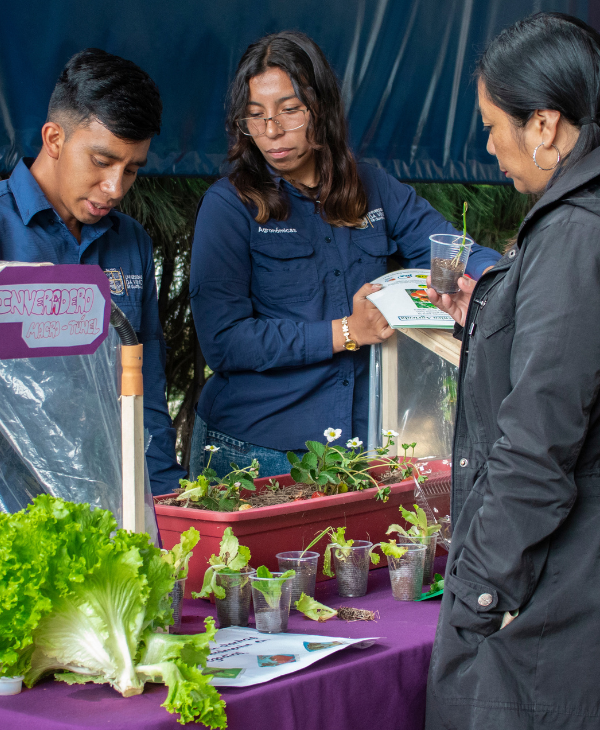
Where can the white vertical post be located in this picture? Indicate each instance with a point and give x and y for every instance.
(389, 386)
(132, 438)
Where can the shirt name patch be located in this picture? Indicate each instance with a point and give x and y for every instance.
(372, 217)
(277, 230)
(376, 215)
(134, 281)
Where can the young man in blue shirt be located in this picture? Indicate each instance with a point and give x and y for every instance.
(60, 208)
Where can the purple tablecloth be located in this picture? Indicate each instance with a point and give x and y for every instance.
(382, 687)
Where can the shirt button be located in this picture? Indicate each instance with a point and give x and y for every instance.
(512, 254)
(327, 239)
(463, 462)
(485, 599)
(345, 382)
(337, 272)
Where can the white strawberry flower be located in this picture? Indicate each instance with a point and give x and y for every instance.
(354, 443)
(332, 434)
(389, 433)
(211, 448)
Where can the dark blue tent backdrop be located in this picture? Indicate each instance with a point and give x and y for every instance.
(405, 67)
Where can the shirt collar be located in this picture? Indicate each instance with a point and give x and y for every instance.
(279, 181)
(30, 199)
(27, 193)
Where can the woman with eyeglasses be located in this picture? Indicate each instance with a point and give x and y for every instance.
(283, 252)
(517, 645)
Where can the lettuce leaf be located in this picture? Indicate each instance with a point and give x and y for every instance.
(313, 609)
(83, 599)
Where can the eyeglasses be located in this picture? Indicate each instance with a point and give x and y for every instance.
(287, 121)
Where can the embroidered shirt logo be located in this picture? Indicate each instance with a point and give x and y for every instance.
(277, 230)
(134, 281)
(372, 217)
(115, 279)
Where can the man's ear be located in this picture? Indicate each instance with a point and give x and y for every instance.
(53, 139)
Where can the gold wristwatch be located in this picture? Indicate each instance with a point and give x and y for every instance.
(349, 344)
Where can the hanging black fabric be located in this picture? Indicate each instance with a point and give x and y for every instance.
(405, 67)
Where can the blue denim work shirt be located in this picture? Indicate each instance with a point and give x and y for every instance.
(263, 297)
(32, 231)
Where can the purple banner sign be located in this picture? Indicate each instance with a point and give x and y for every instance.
(49, 311)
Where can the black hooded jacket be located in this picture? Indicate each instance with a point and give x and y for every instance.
(526, 482)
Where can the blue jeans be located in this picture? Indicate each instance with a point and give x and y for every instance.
(272, 461)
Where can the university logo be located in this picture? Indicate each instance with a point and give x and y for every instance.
(115, 279)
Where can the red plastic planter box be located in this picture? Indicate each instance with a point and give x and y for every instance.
(274, 529)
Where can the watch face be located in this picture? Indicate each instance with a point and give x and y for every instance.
(351, 345)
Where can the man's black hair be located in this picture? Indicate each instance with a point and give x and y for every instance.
(95, 85)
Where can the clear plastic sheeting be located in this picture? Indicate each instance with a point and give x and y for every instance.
(423, 401)
(60, 431)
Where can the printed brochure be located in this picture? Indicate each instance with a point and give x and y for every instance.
(403, 301)
(241, 657)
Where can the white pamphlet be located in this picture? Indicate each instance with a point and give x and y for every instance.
(403, 301)
(241, 657)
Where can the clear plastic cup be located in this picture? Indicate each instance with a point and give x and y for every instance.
(430, 543)
(406, 573)
(305, 565)
(233, 610)
(351, 565)
(177, 605)
(448, 261)
(271, 613)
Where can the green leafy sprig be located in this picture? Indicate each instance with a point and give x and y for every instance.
(342, 547)
(271, 586)
(437, 585)
(455, 261)
(392, 550)
(179, 557)
(232, 559)
(418, 519)
(336, 469)
(221, 495)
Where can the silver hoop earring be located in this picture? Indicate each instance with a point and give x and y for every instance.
(546, 169)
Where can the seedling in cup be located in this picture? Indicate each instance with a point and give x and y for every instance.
(421, 532)
(449, 255)
(271, 594)
(227, 577)
(351, 561)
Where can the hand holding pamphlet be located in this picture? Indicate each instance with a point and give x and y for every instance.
(403, 301)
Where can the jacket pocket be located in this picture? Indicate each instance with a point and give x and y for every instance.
(474, 605)
(285, 270)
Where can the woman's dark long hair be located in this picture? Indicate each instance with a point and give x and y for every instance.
(341, 194)
(547, 61)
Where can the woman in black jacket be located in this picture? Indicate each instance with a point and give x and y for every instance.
(518, 641)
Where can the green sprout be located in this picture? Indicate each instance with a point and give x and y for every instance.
(456, 259)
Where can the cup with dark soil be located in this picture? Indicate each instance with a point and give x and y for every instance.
(351, 566)
(271, 610)
(406, 572)
(233, 610)
(305, 565)
(449, 255)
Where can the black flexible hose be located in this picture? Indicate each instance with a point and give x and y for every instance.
(123, 326)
